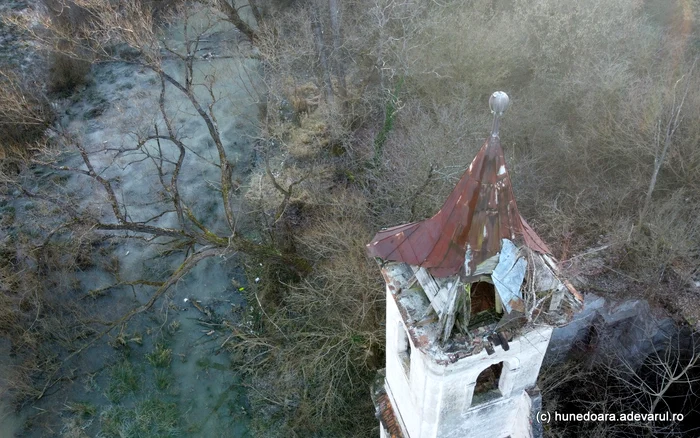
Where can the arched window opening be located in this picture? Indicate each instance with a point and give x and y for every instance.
(485, 306)
(483, 297)
(486, 387)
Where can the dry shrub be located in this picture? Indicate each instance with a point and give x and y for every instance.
(286, 47)
(25, 113)
(162, 9)
(293, 74)
(66, 73)
(326, 329)
(70, 21)
(80, 32)
(264, 197)
(304, 98)
(310, 139)
(23, 320)
(667, 240)
(467, 52)
(38, 311)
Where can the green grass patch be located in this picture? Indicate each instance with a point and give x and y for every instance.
(160, 357)
(150, 418)
(163, 379)
(124, 379)
(389, 116)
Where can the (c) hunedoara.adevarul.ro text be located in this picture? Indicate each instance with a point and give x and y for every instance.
(548, 417)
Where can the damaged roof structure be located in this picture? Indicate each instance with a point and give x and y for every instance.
(437, 269)
(479, 212)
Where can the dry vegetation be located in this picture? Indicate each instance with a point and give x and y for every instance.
(24, 116)
(606, 382)
(598, 91)
(40, 313)
(370, 122)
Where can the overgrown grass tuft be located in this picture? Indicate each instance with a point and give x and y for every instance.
(163, 379)
(149, 418)
(124, 380)
(160, 357)
(82, 409)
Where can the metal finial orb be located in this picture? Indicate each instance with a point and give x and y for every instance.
(498, 102)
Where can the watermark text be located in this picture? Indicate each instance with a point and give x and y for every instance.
(546, 417)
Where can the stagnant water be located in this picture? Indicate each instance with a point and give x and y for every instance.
(10, 422)
(165, 373)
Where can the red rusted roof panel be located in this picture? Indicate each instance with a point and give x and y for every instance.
(480, 211)
(532, 240)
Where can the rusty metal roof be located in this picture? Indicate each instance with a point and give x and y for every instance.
(480, 211)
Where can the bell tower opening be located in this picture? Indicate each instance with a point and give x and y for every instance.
(486, 387)
(485, 305)
(483, 297)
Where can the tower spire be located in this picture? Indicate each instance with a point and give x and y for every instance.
(498, 102)
(480, 211)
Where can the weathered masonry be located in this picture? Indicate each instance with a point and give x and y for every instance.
(473, 294)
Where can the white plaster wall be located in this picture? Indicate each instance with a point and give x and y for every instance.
(497, 419)
(435, 401)
(397, 382)
(520, 422)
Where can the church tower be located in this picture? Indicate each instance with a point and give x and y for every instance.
(472, 297)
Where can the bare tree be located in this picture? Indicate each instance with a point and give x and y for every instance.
(665, 134)
(669, 377)
(339, 62)
(660, 388)
(161, 150)
(232, 13)
(320, 43)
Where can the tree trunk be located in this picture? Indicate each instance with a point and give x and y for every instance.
(672, 125)
(234, 17)
(337, 47)
(322, 56)
(256, 11)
